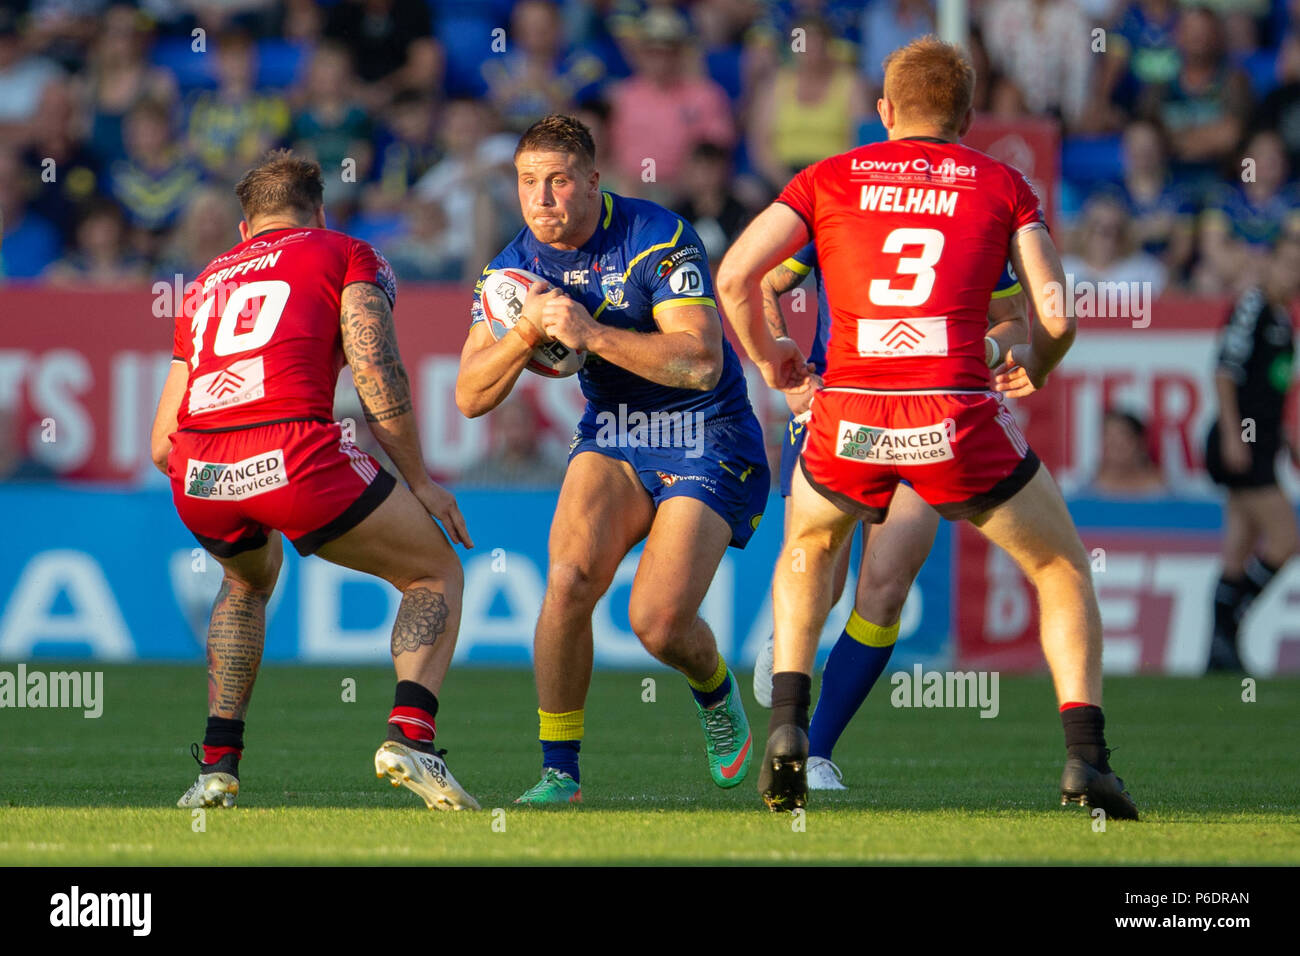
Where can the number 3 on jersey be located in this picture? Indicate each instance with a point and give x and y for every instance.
(881, 291)
(274, 295)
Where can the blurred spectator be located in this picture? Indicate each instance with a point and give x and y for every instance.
(1280, 110)
(407, 148)
(1242, 220)
(23, 77)
(333, 128)
(595, 115)
(474, 182)
(1204, 106)
(1141, 51)
(16, 463)
(230, 127)
(518, 457)
(209, 227)
(1106, 250)
(29, 242)
(1042, 46)
(101, 255)
(886, 26)
(155, 180)
(118, 76)
(62, 29)
(67, 172)
(534, 77)
(662, 111)
(1126, 469)
(810, 109)
(708, 202)
(424, 248)
(392, 41)
(302, 21)
(1162, 213)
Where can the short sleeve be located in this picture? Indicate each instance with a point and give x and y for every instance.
(804, 261)
(476, 307)
(677, 272)
(367, 264)
(180, 339)
(1027, 210)
(799, 196)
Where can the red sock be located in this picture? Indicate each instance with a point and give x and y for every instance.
(212, 754)
(1071, 704)
(415, 722)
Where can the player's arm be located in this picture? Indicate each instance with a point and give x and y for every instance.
(778, 281)
(370, 345)
(1008, 327)
(164, 420)
(775, 234)
(686, 352)
(1052, 327)
(489, 368)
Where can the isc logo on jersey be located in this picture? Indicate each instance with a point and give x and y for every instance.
(895, 446)
(237, 480)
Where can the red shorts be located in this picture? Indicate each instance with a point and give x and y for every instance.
(232, 488)
(962, 452)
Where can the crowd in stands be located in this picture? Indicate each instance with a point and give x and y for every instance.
(124, 125)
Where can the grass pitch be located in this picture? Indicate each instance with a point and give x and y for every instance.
(1215, 778)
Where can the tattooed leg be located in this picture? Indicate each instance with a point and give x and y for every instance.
(424, 634)
(236, 634)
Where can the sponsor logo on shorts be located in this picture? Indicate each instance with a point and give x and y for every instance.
(668, 480)
(895, 446)
(237, 480)
(238, 382)
(926, 335)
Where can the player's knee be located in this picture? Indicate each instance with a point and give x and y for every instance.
(259, 582)
(445, 578)
(571, 586)
(880, 599)
(658, 627)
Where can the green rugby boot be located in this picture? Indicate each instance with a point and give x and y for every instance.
(553, 788)
(727, 739)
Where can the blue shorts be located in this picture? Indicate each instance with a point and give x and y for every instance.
(725, 467)
(791, 446)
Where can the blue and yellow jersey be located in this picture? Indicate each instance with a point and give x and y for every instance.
(805, 261)
(640, 261)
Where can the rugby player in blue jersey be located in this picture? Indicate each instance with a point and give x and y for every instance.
(630, 285)
(893, 551)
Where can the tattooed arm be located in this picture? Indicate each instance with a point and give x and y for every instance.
(370, 345)
(778, 281)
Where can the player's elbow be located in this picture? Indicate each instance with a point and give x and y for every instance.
(159, 450)
(472, 402)
(708, 369)
(731, 280)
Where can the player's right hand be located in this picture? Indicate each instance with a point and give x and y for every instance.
(1020, 373)
(441, 503)
(785, 367)
(534, 301)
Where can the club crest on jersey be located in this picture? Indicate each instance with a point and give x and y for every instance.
(611, 284)
(894, 446)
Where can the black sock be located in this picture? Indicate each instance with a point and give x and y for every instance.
(411, 694)
(1258, 576)
(791, 697)
(1228, 598)
(1084, 735)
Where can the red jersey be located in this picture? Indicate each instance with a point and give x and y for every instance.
(911, 236)
(260, 328)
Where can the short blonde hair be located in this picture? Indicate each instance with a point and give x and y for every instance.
(930, 81)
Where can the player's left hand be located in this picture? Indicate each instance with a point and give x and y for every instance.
(1019, 375)
(785, 367)
(800, 399)
(565, 320)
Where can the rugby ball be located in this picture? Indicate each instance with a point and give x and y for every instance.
(502, 300)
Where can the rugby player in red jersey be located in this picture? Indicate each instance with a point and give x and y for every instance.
(244, 430)
(912, 235)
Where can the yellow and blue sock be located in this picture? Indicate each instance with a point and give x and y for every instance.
(561, 739)
(715, 689)
(855, 663)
